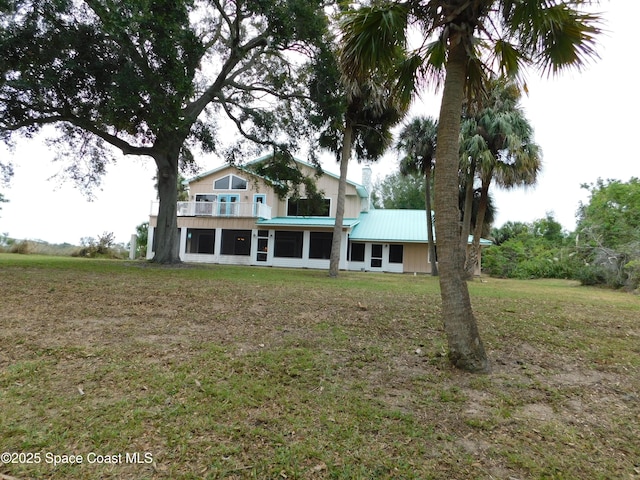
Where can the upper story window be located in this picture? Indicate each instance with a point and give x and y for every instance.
(206, 197)
(304, 207)
(230, 182)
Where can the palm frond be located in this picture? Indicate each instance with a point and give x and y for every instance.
(509, 58)
(373, 38)
(405, 78)
(436, 53)
(556, 34)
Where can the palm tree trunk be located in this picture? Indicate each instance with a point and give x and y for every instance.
(482, 210)
(466, 350)
(431, 243)
(336, 242)
(467, 214)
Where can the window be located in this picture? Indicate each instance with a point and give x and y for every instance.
(230, 182)
(205, 198)
(376, 255)
(236, 242)
(395, 253)
(320, 245)
(228, 205)
(304, 207)
(288, 244)
(238, 183)
(200, 240)
(204, 204)
(221, 184)
(357, 252)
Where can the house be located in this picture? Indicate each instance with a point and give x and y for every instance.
(235, 217)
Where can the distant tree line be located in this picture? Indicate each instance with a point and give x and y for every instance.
(603, 250)
(540, 249)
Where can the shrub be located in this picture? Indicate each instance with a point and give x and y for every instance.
(531, 258)
(501, 261)
(24, 247)
(590, 275)
(142, 231)
(103, 247)
(632, 269)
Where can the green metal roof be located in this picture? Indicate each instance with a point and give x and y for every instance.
(326, 222)
(391, 226)
(362, 191)
(401, 226)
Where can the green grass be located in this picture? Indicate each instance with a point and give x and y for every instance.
(231, 372)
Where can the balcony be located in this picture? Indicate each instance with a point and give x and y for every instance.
(219, 209)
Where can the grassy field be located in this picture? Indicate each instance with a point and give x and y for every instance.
(146, 372)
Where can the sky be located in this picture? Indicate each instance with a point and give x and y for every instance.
(584, 122)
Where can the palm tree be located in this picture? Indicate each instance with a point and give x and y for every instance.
(471, 148)
(354, 116)
(470, 38)
(417, 140)
(489, 216)
(499, 139)
(372, 110)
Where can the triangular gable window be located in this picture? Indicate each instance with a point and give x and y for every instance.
(230, 182)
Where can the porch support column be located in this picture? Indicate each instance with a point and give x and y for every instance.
(183, 242)
(343, 249)
(150, 234)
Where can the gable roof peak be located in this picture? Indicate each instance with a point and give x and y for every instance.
(361, 189)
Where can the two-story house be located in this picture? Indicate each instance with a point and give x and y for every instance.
(234, 217)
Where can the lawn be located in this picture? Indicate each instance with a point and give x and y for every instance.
(125, 370)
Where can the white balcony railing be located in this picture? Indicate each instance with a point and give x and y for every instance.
(219, 209)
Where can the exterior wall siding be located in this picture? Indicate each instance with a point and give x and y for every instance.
(255, 185)
(326, 183)
(415, 258)
(232, 223)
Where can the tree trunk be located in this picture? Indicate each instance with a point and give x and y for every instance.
(466, 350)
(477, 233)
(427, 202)
(467, 214)
(336, 242)
(167, 236)
(470, 263)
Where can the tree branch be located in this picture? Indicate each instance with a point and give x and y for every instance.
(241, 129)
(223, 14)
(193, 109)
(270, 91)
(122, 38)
(123, 145)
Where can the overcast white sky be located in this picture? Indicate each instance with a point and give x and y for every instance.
(585, 123)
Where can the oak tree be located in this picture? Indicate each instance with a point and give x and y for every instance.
(151, 77)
